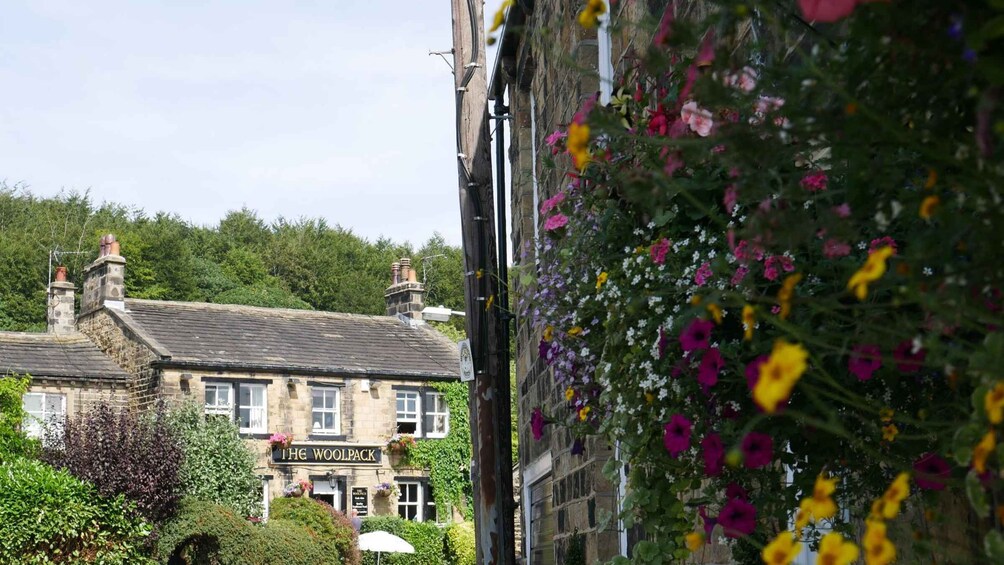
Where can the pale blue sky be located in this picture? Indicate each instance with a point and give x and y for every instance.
(313, 108)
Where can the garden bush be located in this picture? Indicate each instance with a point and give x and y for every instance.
(218, 466)
(204, 532)
(459, 544)
(123, 452)
(323, 522)
(13, 442)
(50, 516)
(426, 538)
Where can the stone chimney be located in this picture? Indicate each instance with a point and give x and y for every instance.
(405, 296)
(60, 316)
(104, 279)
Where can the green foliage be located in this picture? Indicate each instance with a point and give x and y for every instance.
(13, 442)
(460, 548)
(448, 459)
(324, 523)
(426, 538)
(203, 532)
(49, 516)
(218, 465)
(575, 552)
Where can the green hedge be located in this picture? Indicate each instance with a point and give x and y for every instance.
(460, 548)
(323, 522)
(204, 532)
(50, 516)
(427, 539)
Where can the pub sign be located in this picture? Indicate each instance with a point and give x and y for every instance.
(327, 453)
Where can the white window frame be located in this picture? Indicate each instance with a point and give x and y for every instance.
(336, 410)
(265, 498)
(36, 423)
(216, 408)
(417, 419)
(534, 473)
(245, 427)
(435, 405)
(418, 503)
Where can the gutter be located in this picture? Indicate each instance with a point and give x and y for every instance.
(301, 370)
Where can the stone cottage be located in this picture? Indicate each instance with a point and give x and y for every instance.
(341, 384)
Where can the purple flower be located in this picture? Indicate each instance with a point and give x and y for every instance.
(931, 472)
(714, 454)
(703, 274)
(578, 448)
(865, 360)
(658, 251)
(758, 450)
(676, 435)
(711, 364)
(544, 350)
(736, 491)
(908, 360)
(738, 517)
(696, 335)
(709, 521)
(739, 275)
(753, 371)
(537, 424)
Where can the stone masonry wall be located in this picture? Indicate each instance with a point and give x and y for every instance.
(83, 395)
(127, 351)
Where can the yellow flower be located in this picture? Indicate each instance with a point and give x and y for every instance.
(871, 271)
(820, 505)
(489, 302)
(779, 374)
(983, 450)
(695, 300)
(649, 397)
(928, 206)
(878, 549)
(576, 330)
(833, 550)
(888, 506)
(583, 413)
(716, 312)
(889, 432)
(548, 333)
(578, 144)
(932, 179)
(695, 540)
(589, 15)
(569, 393)
(802, 519)
(500, 15)
(994, 403)
(886, 414)
(782, 550)
(601, 279)
(749, 319)
(787, 291)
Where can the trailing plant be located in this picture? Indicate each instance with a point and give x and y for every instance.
(13, 442)
(123, 452)
(773, 278)
(448, 458)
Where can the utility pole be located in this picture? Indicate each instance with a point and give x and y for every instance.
(490, 424)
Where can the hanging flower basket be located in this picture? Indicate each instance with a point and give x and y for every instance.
(400, 444)
(386, 490)
(297, 489)
(280, 440)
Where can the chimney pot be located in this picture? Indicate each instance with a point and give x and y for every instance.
(115, 248)
(395, 273)
(61, 273)
(405, 269)
(412, 277)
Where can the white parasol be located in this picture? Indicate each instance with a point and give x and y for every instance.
(384, 542)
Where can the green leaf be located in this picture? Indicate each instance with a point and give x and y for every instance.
(977, 496)
(993, 545)
(963, 443)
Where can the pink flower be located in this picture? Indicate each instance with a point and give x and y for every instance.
(711, 364)
(703, 274)
(931, 472)
(739, 275)
(842, 211)
(773, 262)
(881, 242)
(555, 222)
(738, 518)
(697, 335)
(744, 79)
(826, 10)
(908, 360)
(553, 139)
(766, 104)
(865, 360)
(731, 198)
(552, 202)
(714, 454)
(697, 118)
(815, 182)
(758, 450)
(537, 424)
(834, 248)
(676, 435)
(673, 162)
(658, 251)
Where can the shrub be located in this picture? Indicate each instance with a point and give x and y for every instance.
(49, 516)
(124, 452)
(13, 442)
(324, 523)
(426, 538)
(218, 466)
(203, 532)
(459, 542)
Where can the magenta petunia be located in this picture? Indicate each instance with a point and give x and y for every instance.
(537, 423)
(736, 491)
(931, 472)
(711, 364)
(865, 360)
(556, 221)
(758, 450)
(709, 521)
(703, 274)
(908, 360)
(676, 435)
(658, 251)
(713, 453)
(881, 242)
(826, 11)
(815, 182)
(753, 371)
(739, 275)
(552, 203)
(697, 335)
(738, 518)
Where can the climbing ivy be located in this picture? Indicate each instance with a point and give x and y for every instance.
(449, 459)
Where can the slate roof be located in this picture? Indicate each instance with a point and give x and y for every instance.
(193, 334)
(48, 355)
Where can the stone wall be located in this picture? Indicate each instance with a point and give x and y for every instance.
(83, 395)
(127, 350)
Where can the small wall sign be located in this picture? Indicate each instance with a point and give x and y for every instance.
(466, 361)
(327, 453)
(361, 501)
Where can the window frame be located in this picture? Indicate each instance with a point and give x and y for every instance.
(217, 409)
(435, 399)
(46, 420)
(247, 429)
(417, 504)
(417, 420)
(335, 410)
